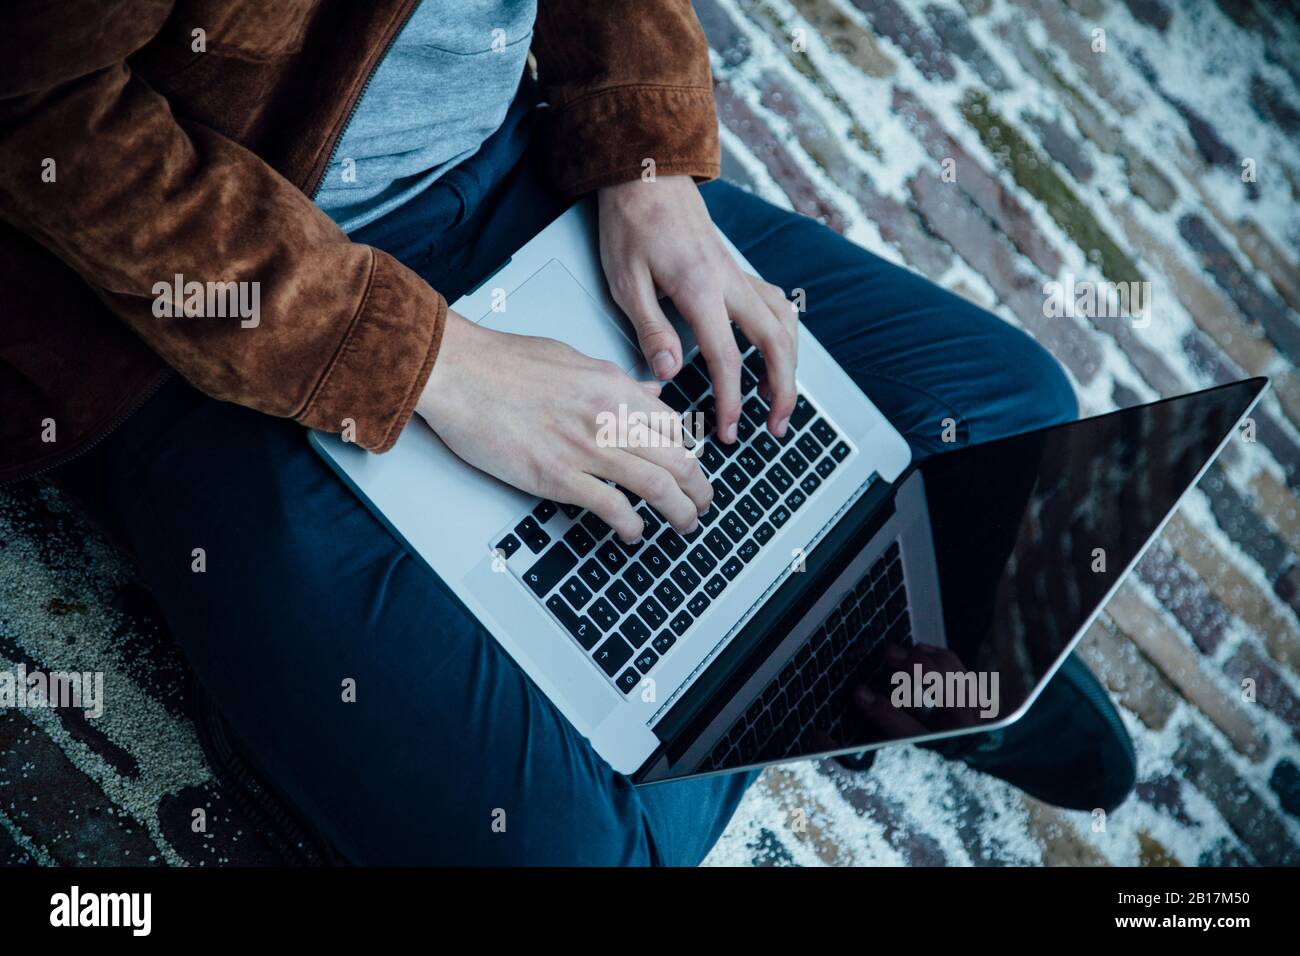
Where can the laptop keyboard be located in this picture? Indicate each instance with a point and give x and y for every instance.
(626, 606)
(805, 702)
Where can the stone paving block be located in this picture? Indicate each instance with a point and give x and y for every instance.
(952, 215)
(1165, 793)
(1035, 174)
(1275, 501)
(1151, 12)
(1280, 326)
(1184, 595)
(1060, 145)
(725, 37)
(1182, 667)
(1272, 106)
(1058, 839)
(846, 37)
(955, 34)
(889, 19)
(1235, 591)
(1271, 690)
(1265, 255)
(1074, 37)
(898, 225)
(61, 809)
(1247, 529)
(1250, 818)
(781, 166)
(998, 203)
(1136, 684)
(1285, 781)
(916, 848)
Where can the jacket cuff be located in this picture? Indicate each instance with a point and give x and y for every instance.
(603, 139)
(379, 370)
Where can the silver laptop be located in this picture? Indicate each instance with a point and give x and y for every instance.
(743, 644)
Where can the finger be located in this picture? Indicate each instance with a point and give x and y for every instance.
(673, 457)
(655, 484)
(884, 717)
(766, 331)
(635, 295)
(608, 504)
(708, 319)
(653, 387)
(782, 308)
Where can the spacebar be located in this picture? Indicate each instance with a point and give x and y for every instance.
(550, 568)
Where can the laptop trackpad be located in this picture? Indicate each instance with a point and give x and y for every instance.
(553, 304)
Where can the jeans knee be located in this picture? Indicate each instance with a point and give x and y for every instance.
(1049, 398)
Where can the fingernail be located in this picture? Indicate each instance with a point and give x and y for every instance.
(781, 427)
(693, 527)
(662, 364)
(728, 434)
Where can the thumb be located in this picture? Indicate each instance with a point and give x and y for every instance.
(659, 342)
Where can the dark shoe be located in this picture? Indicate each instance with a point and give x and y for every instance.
(1070, 749)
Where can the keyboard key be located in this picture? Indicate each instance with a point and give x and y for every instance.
(735, 477)
(744, 430)
(638, 577)
(826, 466)
(685, 578)
(672, 544)
(794, 462)
(655, 561)
(550, 569)
(602, 613)
(780, 516)
(646, 660)
(508, 545)
(706, 519)
(652, 523)
(595, 527)
(756, 409)
(698, 604)
(803, 411)
(748, 508)
(576, 593)
(593, 575)
(583, 631)
(652, 612)
(632, 548)
(734, 526)
(714, 586)
(611, 556)
(840, 451)
(795, 500)
(632, 498)
(810, 483)
(681, 623)
(780, 478)
(665, 641)
(669, 595)
(634, 631)
(825, 434)
(545, 511)
(612, 655)
(531, 533)
(766, 446)
(674, 398)
(621, 595)
(747, 551)
(722, 495)
(578, 539)
(711, 458)
(571, 511)
(748, 381)
(716, 542)
(742, 343)
(628, 680)
(751, 461)
(731, 567)
(809, 446)
(701, 560)
(691, 382)
(763, 533)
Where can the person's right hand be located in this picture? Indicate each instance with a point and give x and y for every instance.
(528, 411)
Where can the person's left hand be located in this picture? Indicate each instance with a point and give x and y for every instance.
(656, 238)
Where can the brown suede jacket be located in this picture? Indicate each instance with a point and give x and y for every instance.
(134, 148)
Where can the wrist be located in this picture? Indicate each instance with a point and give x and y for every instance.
(439, 388)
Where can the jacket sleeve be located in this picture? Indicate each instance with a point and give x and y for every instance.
(95, 167)
(627, 81)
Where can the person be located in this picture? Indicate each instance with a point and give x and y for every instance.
(334, 165)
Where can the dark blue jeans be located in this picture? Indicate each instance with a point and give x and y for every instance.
(449, 754)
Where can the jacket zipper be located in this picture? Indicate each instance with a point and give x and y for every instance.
(103, 433)
(315, 188)
(356, 102)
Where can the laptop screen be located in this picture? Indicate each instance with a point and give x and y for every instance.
(1029, 534)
